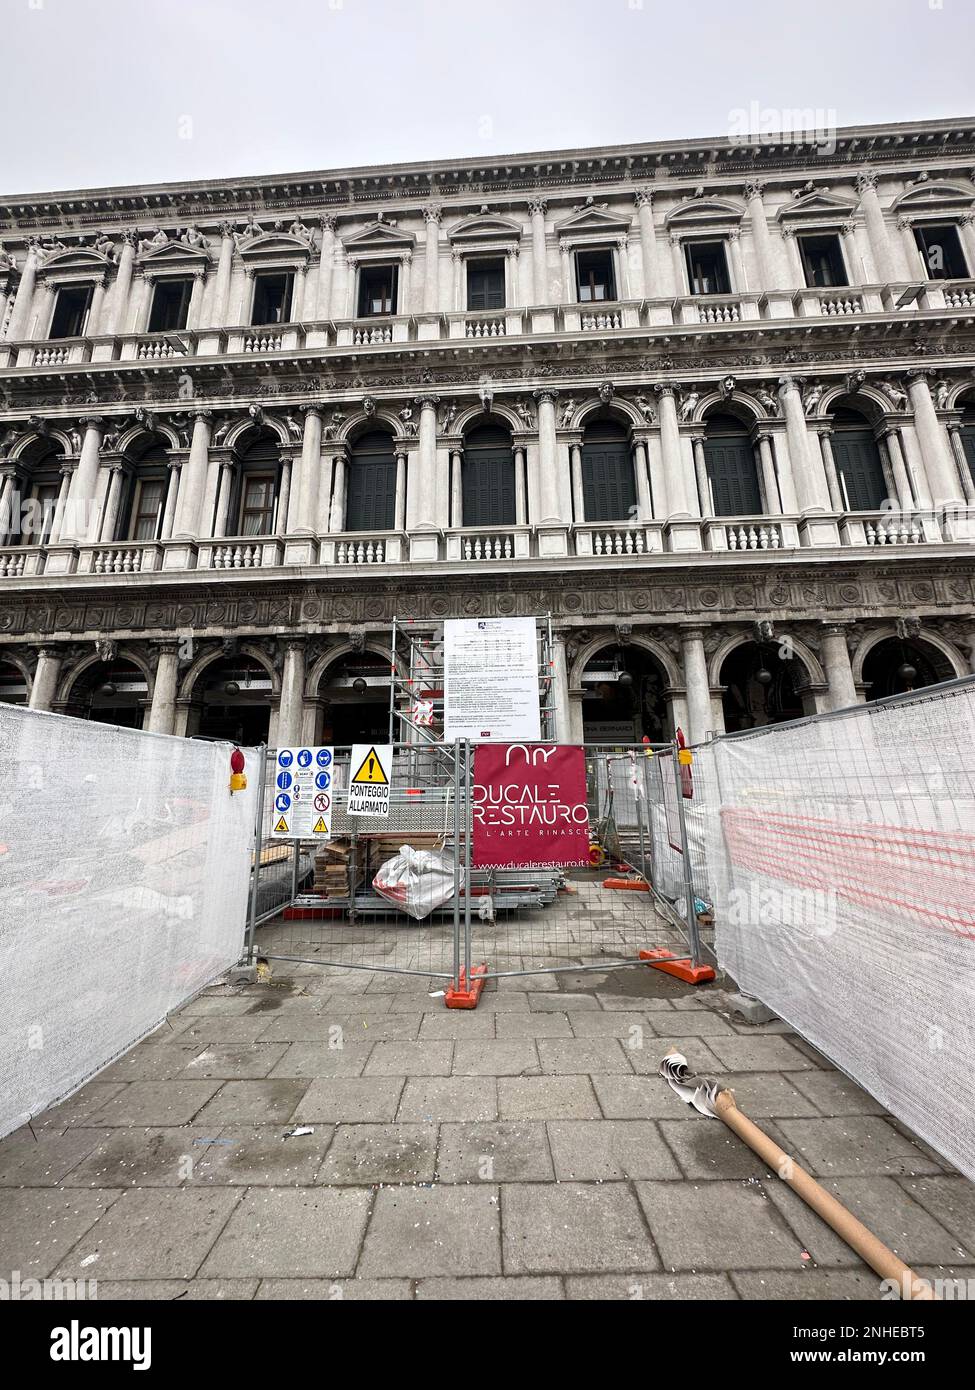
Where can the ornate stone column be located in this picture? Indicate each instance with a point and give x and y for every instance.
(810, 477)
(456, 487)
(675, 482)
(521, 486)
(187, 522)
(796, 273)
(194, 310)
(285, 465)
(866, 186)
(20, 315)
(220, 307)
(938, 463)
(696, 683)
(770, 483)
(652, 288)
(738, 275)
(97, 310)
(898, 469)
(175, 467)
(44, 686)
(559, 692)
(81, 520)
(119, 302)
(764, 256)
(108, 532)
(851, 252)
(323, 285)
(431, 273)
(336, 520)
(644, 504)
(578, 492)
(304, 490)
(162, 710)
(291, 707)
(701, 474)
(424, 513)
(399, 515)
(222, 522)
(836, 662)
(537, 208)
(548, 461)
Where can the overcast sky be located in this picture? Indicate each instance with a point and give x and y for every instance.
(97, 92)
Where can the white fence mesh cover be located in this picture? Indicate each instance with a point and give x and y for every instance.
(842, 860)
(125, 864)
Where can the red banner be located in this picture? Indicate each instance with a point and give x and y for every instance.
(529, 806)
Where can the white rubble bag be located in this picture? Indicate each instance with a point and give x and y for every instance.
(417, 880)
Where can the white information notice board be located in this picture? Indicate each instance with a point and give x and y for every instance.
(302, 805)
(491, 680)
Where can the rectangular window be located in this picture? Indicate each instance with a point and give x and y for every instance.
(594, 276)
(71, 312)
(377, 290)
(272, 297)
(707, 267)
(170, 305)
(941, 252)
(257, 506)
(822, 261)
(147, 509)
(485, 284)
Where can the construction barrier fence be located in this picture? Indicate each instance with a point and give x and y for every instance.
(319, 901)
(125, 863)
(840, 852)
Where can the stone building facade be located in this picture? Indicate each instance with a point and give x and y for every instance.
(709, 405)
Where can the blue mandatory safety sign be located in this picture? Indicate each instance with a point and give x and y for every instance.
(282, 801)
(323, 780)
(304, 757)
(324, 757)
(285, 757)
(284, 780)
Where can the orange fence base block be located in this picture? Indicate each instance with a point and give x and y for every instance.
(465, 997)
(639, 885)
(679, 966)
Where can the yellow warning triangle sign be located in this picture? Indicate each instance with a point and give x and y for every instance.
(281, 826)
(371, 770)
(320, 828)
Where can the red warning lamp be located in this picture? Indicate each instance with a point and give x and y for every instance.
(237, 779)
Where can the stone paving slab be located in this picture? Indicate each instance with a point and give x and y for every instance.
(449, 1098)
(258, 1101)
(233, 1061)
(353, 1290)
(312, 1232)
(547, 1098)
(39, 1226)
(157, 1103)
(533, 1025)
(314, 1059)
(573, 1228)
(717, 1226)
(261, 1155)
(496, 1057)
(394, 1153)
(182, 1290)
(494, 1151)
(582, 1056)
(137, 1157)
(853, 1146)
(350, 1098)
(523, 1289)
(157, 1233)
(44, 1159)
(420, 1232)
(648, 1286)
(410, 1059)
(603, 1150)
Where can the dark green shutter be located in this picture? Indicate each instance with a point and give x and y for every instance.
(370, 503)
(734, 481)
(608, 485)
(488, 478)
(968, 445)
(858, 464)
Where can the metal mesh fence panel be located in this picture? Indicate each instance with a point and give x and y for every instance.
(317, 902)
(125, 867)
(600, 916)
(842, 857)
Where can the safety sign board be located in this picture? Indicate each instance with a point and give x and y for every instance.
(372, 772)
(302, 801)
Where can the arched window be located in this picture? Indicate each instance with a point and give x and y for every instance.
(858, 464)
(732, 475)
(968, 437)
(371, 497)
(257, 490)
(608, 484)
(488, 478)
(146, 501)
